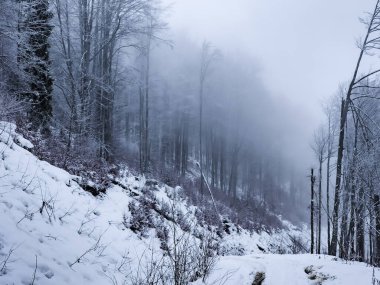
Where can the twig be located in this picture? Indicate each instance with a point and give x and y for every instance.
(92, 248)
(69, 212)
(28, 215)
(34, 273)
(6, 261)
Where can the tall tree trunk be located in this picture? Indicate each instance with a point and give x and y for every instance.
(319, 205)
(312, 181)
(360, 238)
(328, 199)
(352, 188)
(184, 144)
(334, 238)
(232, 188)
(222, 155)
(147, 90)
(201, 131)
(86, 10)
(343, 226)
(141, 131)
(376, 206)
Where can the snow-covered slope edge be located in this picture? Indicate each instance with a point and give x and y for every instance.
(53, 232)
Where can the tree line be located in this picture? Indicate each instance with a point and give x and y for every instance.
(350, 139)
(96, 83)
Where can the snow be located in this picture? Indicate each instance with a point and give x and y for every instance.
(289, 269)
(67, 236)
(71, 223)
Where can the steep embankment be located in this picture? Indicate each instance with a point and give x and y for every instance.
(54, 232)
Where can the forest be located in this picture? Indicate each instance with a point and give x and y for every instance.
(99, 86)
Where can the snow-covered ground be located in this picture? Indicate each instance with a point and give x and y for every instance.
(53, 232)
(290, 269)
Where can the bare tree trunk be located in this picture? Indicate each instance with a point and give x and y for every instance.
(233, 177)
(349, 244)
(328, 199)
(201, 130)
(184, 144)
(141, 131)
(214, 161)
(334, 238)
(206, 58)
(312, 180)
(65, 41)
(330, 143)
(177, 147)
(351, 227)
(319, 205)
(86, 10)
(222, 165)
(343, 226)
(360, 238)
(147, 89)
(376, 206)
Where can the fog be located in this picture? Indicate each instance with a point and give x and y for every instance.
(208, 116)
(302, 51)
(194, 91)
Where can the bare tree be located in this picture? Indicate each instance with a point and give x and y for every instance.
(319, 147)
(312, 182)
(370, 43)
(207, 57)
(331, 132)
(151, 34)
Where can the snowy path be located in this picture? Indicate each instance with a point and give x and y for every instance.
(289, 269)
(280, 270)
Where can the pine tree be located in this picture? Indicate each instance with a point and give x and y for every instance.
(35, 31)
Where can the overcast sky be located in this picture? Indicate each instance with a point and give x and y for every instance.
(305, 48)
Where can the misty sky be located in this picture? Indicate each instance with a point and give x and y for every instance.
(304, 48)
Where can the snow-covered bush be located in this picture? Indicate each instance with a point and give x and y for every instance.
(162, 232)
(298, 245)
(236, 249)
(188, 258)
(140, 220)
(189, 250)
(151, 270)
(10, 107)
(76, 154)
(207, 254)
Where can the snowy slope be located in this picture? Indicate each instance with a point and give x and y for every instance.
(71, 223)
(53, 232)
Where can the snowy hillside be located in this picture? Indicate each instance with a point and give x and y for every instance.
(139, 232)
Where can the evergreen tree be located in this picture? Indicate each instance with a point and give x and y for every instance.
(35, 31)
